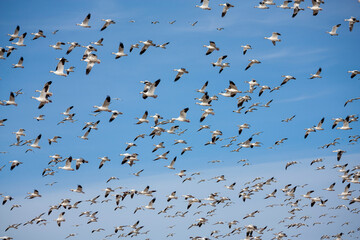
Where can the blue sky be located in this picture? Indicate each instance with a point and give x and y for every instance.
(304, 48)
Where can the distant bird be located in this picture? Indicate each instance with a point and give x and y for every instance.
(11, 100)
(315, 7)
(252, 62)
(351, 100)
(105, 106)
(296, 8)
(286, 79)
(354, 73)
(39, 34)
(339, 153)
(85, 23)
(20, 41)
(316, 75)
(134, 46)
(60, 68)
(352, 21)
(19, 64)
(147, 44)
(211, 47)
(120, 53)
(182, 117)
(163, 46)
(57, 46)
(149, 89)
(15, 34)
(226, 8)
(99, 42)
(72, 46)
(274, 38)
(181, 72)
(333, 30)
(106, 24)
(285, 5)
(245, 48)
(204, 5)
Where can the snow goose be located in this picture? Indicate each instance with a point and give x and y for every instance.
(245, 48)
(2, 52)
(14, 164)
(149, 89)
(99, 42)
(158, 146)
(315, 7)
(20, 41)
(143, 118)
(219, 61)
(137, 174)
(10, 50)
(308, 131)
(60, 68)
(267, 104)
(85, 136)
(44, 94)
(147, 44)
(333, 30)
(91, 59)
(130, 145)
(120, 53)
(114, 115)
(354, 73)
(181, 72)
(162, 156)
(40, 118)
(345, 125)
(211, 47)
(11, 100)
(263, 88)
(79, 161)
(69, 70)
(186, 150)
(352, 21)
(204, 5)
(67, 165)
(274, 38)
(286, 79)
(182, 117)
(15, 34)
(105, 106)
(60, 219)
(39, 34)
(331, 188)
(203, 88)
(296, 8)
(106, 24)
(53, 140)
(85, 23)
(172, 22)
(252, 62)
(242, 127)
(19, 64)
(72, 46)
(319, 126)
(133, 46)
(316, 75)
(226, 8)
(57, 46)
(36, 142)
(206, 113)
(67, 112)
(163, 46)
(262, 5)
(351, 100)
(220, 29)
(33, 194)
(171, 165)
(2, 121)
(285, 5)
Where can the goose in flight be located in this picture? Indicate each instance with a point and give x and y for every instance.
(351, 100)
(206, 113)
(274, 38)
(137, 174)
(315, 7)
(14, 164)
(99, 42)
(158, 146)
(245, 48)
(194, 23)
(319, 126)
(120, 53)
(204, 5)
(262, 5)
(286, 79)
(2, 52)
(203, 88)
(60, 219)
(60, 68)
(296, 8)
(20, 41)
(103, 160)
(34, 194)
(252, 62)
(171, 166)
(182, 117)
(85, 23)
(308, 131)
(10, 50)
(44, 94)
(105, 106)
(162, 156)
(354, 73)
(220, 64)
(352, 21)
(316, 75)
(11, 100)
(345, 125)
(2, 121)
(36, 142)
(57, 46)
(149, 89)
(181, 72)
(86, 134)
(220, 29)
(285, 5)
(211, 47)
(333, 30)
(67, 112)
(114, 115)
(15, 34)
(91, 59)
(150, 205)
(242, 127)
(39, 34)
(40, 117)
(19, 64)
(186, 150)
(143, 118)
(147, 44)
(134, 46)
(263, 88)
(72, 46)
(290, 164)
(226, 8)
(67, 165)
(107, 23)
(163, 46)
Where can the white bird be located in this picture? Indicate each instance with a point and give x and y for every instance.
(262, 5)
(163, 46)
(14, 164)
(296, 8)
(86, 134)
(345, 125)
(171, 166)
(150, 205)
(114, 115)
(252, 62)
(203, 88)
(20, 41)
(211, 47)
(134, 46)
(149, 89)
(204, 5)
(72, 46)
(274, 38)
(60, 219)
(67, 165)
(85, 23)
(15, 34)
(106, 24)
(11, 100)
(316, 75)
(333, 30)
(143, 118)
(105, 106)
(2, 121)
(120, 53)
(19, 64)
(57, 46)
(60, 68)
(182, 117)
(181, 72)
(245, 48)
(9, 51)
(226, 8)
(354, 73)
(286, 79)
(352, 21)
(315, 7)
(147, 44)
(206, 113)
(285, 5)
(99, 42)
(44, 94)
(219, 63)
(91, 59)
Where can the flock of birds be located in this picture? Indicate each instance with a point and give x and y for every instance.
(216, 201)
